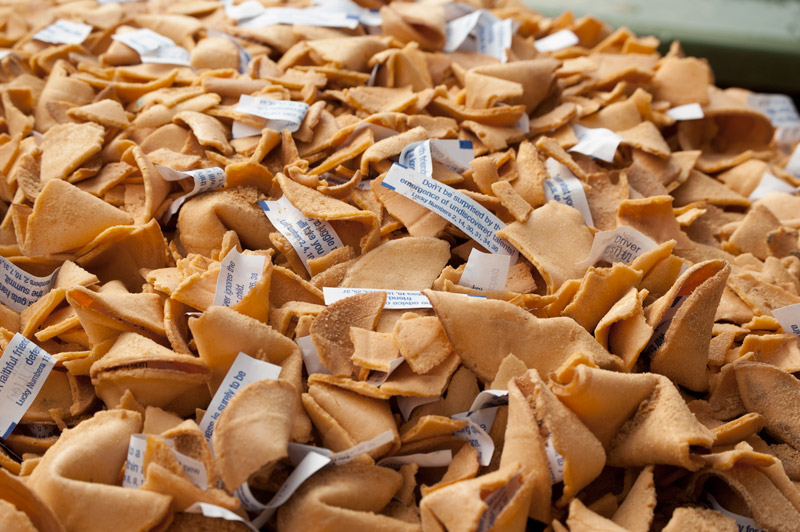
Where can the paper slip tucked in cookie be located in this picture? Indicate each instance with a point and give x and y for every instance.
(279, 114)
(451, 204)
(24, 367)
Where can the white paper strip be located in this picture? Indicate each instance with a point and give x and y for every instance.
(280, 114)
(395, 299)
(238, 274)
(241, 130)
(19, 289)
(769, 184)
(454, 154)
(205, 180)
(480, 31)
(565, 188)
(690, 111)
(557, 41)
(64, 32)
(24, 366)
(554, 461)
(310, 356)
(367, 17)
(789, 318)
(599, 142)
(245, 10)
(477, 432)
(310, 238)
(134, 470)
(621, 244)
(348, 455)
(452, 205)
(489, 399)
(244, 370)
(781, 111)
(485, 271)
(376, 378)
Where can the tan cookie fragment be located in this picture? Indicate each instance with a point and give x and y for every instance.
(204, 219)
(646, 137)
(222, 333)
(345, 418)
(636, 511)
(683, 355)
(600, 289)
(752, 233)
(108, 113)
(380, 99)
(532, 174)
(779, 350)
(412, 23)
(582, 519)
(484, 331)
(537, 241)
(461, 505)
(157, 376)
(319, 206)
(411, 263)
(624, 330)
(330, 331)
(682, 81)
(373, 350)
(23, 509)
(389, 147)
(583, 455)
(65, 218)
(352, 496)
(96, 449)
(608, 403)
(259, 419)
(421, 342)
(214, 53)
(761, 297)
(405, 382)
(525, 82)
(66, 147)
(774, 394)
(700, 187)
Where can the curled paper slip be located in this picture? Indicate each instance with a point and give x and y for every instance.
(310, 238)
(621, 244)
(24, 367)
(567, 189)
(789, 318)
(452, 205)
(600, 143)
(64, 32)
(556, 41)
(19, 289)
(690, 111)
(205, 180)
(480, 31)
(244, 370)
(769, 184)
(280, 114)
(238, 274)
(485, 271)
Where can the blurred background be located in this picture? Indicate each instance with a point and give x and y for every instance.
(753, 44)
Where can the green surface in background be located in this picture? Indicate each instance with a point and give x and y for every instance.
(749, 43)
